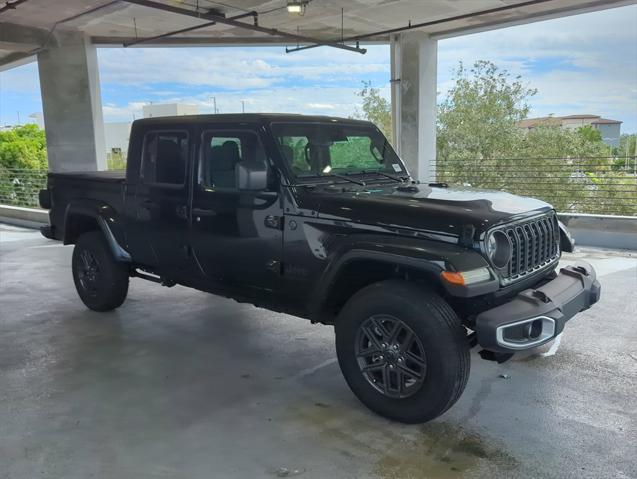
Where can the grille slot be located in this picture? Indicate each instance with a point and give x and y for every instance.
(535, 243)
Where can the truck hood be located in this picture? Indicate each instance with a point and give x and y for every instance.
(432, 209)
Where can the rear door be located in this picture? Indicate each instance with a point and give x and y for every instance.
(236, 236)
(159, 231)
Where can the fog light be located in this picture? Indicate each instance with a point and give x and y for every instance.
(533, 330)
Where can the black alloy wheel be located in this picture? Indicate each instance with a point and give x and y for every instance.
(390, 356)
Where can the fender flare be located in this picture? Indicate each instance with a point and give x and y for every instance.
(432, 262)
(104, 215)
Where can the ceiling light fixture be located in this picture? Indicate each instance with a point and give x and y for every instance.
(297, 7)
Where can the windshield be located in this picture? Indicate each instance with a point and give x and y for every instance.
(324, 149)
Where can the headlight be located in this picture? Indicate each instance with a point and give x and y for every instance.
(499, 249)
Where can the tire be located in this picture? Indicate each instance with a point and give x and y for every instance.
(432, 369)
(101, 282)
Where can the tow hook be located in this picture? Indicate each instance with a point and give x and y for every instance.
(493, 356)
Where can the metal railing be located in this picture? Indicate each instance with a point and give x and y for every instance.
(597, 185)
(21, 187)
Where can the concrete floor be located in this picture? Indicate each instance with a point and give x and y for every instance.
(178, 383)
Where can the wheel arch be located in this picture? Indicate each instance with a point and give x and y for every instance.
(90, 215)
(357, 269)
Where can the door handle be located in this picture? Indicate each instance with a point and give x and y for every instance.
(203, 212)
(147, 210)
(148, 204)
(182, 212)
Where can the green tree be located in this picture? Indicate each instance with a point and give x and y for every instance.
(376, 109)
(590, 134)
(479, 116)
(481, 144)
(23, 147)
(549, 141)
(627, 145)
(115, 160)
(625, 158)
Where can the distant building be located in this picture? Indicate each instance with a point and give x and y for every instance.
(37, 118)
(609, 129)
(117, 134)
(169, 109)
(116, 137)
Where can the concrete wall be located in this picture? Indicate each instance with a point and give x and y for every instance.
(27, 217)
(610, 133)
(602, 230)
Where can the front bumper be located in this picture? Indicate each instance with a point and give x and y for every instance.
(535, 316)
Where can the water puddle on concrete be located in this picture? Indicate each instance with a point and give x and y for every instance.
(440, 450)
(395, 451)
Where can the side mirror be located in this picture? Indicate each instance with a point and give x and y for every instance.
(251, 176)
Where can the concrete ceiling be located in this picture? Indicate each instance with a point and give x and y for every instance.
(26, 28)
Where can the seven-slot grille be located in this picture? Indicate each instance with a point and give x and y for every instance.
(535, 243)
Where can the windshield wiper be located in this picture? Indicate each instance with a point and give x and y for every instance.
(351, 180)
(381, 173)
(331, 175)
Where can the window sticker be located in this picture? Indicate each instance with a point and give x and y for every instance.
(397, 167)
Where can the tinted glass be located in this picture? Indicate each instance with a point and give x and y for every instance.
(164, 158)
(220, 153)
(318, 149)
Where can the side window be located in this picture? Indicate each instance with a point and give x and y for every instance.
(164, 157)
(220, 153)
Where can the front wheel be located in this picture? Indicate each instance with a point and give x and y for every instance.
(101, 282)
(402, 351)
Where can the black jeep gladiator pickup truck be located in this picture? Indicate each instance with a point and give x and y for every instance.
(318, 217)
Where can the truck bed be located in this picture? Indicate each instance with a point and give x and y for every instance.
(103, 187)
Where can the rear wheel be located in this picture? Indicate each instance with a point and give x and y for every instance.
(101, 282)
(402, 351)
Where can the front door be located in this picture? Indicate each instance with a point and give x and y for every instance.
(236, 236)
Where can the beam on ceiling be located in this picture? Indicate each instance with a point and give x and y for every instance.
(165, 35)
(414, 26)
(16, 59)
(22, 34)
(581, 8)
(184, 30)
(252, 27)
(11, 5)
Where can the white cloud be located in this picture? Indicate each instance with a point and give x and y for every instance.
(337, 101)
(239, 68)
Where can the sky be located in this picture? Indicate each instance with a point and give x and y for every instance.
(580, 64)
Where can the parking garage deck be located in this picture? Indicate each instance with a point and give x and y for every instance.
(179, 383)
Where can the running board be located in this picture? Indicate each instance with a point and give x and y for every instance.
(152, 277)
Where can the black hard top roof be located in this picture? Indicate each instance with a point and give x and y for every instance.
(260, 118)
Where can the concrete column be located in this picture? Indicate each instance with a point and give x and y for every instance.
(69, 83)
(414, 58)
